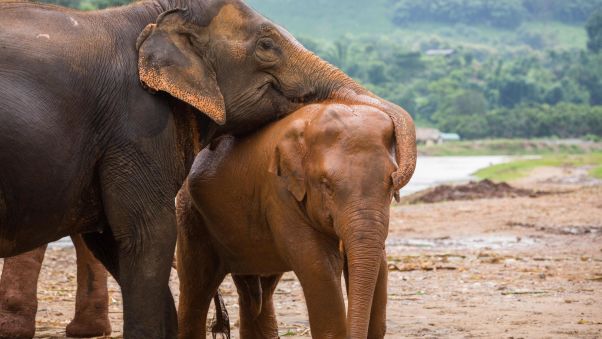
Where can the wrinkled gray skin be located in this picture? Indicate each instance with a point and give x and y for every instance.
(84, 148)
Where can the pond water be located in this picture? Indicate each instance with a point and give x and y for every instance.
(430, 171)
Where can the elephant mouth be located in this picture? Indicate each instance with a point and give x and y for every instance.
(308, 97)
(304, 98)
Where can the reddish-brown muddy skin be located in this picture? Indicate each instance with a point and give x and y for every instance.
(92, 298)
(302, 194)
(18, 295)
(18, 289)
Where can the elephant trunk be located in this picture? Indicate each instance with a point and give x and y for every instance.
(363, 235)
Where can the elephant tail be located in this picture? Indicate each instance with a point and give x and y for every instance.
(220, 325)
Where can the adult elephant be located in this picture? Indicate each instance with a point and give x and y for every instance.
(84, 148)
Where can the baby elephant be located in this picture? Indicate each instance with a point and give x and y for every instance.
(305, 194)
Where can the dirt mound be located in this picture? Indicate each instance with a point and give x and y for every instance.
(471, 191)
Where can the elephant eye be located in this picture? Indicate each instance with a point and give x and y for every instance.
(266, 43)
(326, 185)
(267, 52)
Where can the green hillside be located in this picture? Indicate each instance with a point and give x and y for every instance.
(329, 20)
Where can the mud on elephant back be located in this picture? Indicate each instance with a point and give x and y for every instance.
(315, 200)
(85, 148)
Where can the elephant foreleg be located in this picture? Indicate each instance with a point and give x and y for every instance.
(138, 206)
(198, 269)
(144, 267)
(318, 267)
(18, 294)
(92, 300)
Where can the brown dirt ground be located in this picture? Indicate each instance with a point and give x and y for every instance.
(514, 267)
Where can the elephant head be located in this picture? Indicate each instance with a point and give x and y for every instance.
(240, 69)
(338, 162)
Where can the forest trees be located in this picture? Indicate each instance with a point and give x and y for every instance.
(508, 13)
(594, 31)
(505, 14)
(555, 93)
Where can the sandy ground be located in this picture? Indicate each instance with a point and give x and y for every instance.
(528, 267)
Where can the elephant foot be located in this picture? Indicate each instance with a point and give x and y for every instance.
(89, 326)
(17, 325)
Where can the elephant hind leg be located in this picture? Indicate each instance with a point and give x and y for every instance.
(257, 313)
(92, 299)
(267, 319)
(249, 295)
(18, 294)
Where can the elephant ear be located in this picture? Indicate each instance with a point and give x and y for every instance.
(287, 161)
(168, 62)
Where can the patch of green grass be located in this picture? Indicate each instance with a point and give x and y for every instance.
(509, 147)
(522, 167)
(596, 172)
(510, 171)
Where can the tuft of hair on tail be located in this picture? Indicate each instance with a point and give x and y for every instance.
(220, 324)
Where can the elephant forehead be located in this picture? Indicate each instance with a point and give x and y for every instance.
(288, 36)
(357, 120)
(230, 23)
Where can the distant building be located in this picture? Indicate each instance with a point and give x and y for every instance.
(428, 136)
(432, 136)
(450, 137)
(440, 52)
